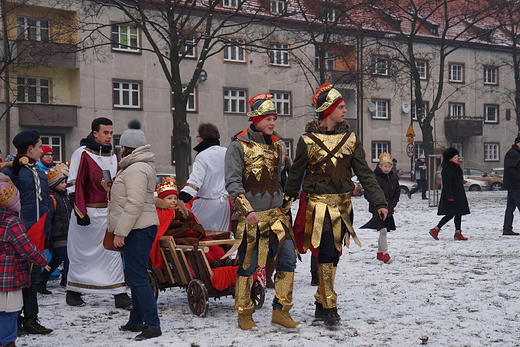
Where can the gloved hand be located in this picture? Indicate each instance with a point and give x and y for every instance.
(17, 165)
(82, 221)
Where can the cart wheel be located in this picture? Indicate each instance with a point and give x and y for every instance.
(258, 294)
(198, 297)
(153, 282)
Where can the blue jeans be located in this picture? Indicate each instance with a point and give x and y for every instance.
(137, 252)
(513, 201)
(286, 260)
(421, 184)
(59, 254)
(8, 322)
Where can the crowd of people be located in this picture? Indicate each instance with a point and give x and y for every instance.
(247, 188)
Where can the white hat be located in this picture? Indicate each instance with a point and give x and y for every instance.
(133, 137)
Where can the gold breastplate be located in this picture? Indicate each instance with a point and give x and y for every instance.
(261, 167)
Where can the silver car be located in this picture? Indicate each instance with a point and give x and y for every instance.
(474, 185)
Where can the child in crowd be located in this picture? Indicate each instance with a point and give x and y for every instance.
(389, 183)
(61, 209)
(16, 254)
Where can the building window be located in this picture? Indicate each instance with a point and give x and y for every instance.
(56, 143)
(423, 111)
(456, 110)
(329, 61)
(458, 146)
(491, 152)
(277, 6)
(330, 14)
(279, 54)
(419, 150)
(234, 101)
(490, 75)
(422, 68)
(434, 29)
(288, 148)
(491, 113)
(381, 110)
(33, 29)
(127, 94)
(234, 51)
(125, 38)
(117, 145)
(380, 65)
(33, 89)
(187, 49)
(191, 104)
(457, 73)
(282, 100)
(230, 3)
(378, 148)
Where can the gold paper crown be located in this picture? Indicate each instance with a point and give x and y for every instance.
(64, 168)
(266, 107)
(7, 194)
(332, 96)
(54, 174)
(168, 184)
(385, 158)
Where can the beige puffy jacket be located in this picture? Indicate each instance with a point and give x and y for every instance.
(131, 197)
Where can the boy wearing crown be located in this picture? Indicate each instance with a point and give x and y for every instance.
(253, 163)
(327, 154)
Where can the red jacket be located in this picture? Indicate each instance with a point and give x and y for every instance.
(16, 253)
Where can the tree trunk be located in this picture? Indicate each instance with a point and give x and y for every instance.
(181, 148)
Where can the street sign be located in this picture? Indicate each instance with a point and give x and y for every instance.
(410, 132)
(410, 149)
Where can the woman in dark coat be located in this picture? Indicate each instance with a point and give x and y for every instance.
(453, 202)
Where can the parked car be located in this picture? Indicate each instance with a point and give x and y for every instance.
(406, 186)
(498, 171)
(160, 176)
(474, 185)
(407, 176)
(494, 182)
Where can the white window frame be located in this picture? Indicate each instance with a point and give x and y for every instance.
(456, 72)
(279, 54)
(56, 143)
(456, 110)
(282, 101)
(459, 147)
(379, 147)
(126, 89)
(116, 139)
(414, 110)
(491, 75)
(491, 151)
(235, 101)
(35, 90)
(330, 58)
(127, 33)
(288, 148)
(382, 109)
(422, 67)
(33, 29)
(234, 52)
(188, 49)
(191, 105)
(230, 3)
(330, 14)
(419, 150)
(277, 7)
(487, 113)
(380, 65)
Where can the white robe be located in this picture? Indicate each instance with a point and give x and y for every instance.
(92, 268)
(206, 182)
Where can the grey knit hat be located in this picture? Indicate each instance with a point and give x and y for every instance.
(133, 137)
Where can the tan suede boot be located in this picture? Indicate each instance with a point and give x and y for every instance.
(245, 319)
(243, 303)
(283, 286)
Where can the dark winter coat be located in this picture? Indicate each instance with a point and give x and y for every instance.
(60, 218)
(452, 189)
(512, 168)
(420, 170)
(389, 183)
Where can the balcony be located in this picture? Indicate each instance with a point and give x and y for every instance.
(463, 126)
(46, 53)
(47, 115)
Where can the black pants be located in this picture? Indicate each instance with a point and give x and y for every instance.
(30, 294)
(327, 250)
(446, 219)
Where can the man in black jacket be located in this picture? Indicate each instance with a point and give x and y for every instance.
(512, 184)
(420, 177)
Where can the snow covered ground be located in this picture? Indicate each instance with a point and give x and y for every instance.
(454, 293)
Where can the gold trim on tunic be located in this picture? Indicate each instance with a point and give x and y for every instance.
(91, 286)
(271, 220)
(339, 208)
(315, 153)
(98, 152)
(193, 186)
(97, 204)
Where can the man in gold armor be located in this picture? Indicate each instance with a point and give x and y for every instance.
(327, 154)
(253, 162)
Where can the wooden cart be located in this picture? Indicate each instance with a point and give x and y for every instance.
(188, 267)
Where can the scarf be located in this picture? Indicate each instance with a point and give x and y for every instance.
(206, 144)
(90, 143)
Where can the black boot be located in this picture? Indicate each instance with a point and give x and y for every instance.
(21, 331)
(331, 316)
(74, 299)
(32, 326)
(148, 333)
(123, 301)
(42, 287)
(318, 313)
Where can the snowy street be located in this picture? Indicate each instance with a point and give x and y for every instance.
(455, 293)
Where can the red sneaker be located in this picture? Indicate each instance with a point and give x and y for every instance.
(434, 232)
(384, 257)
